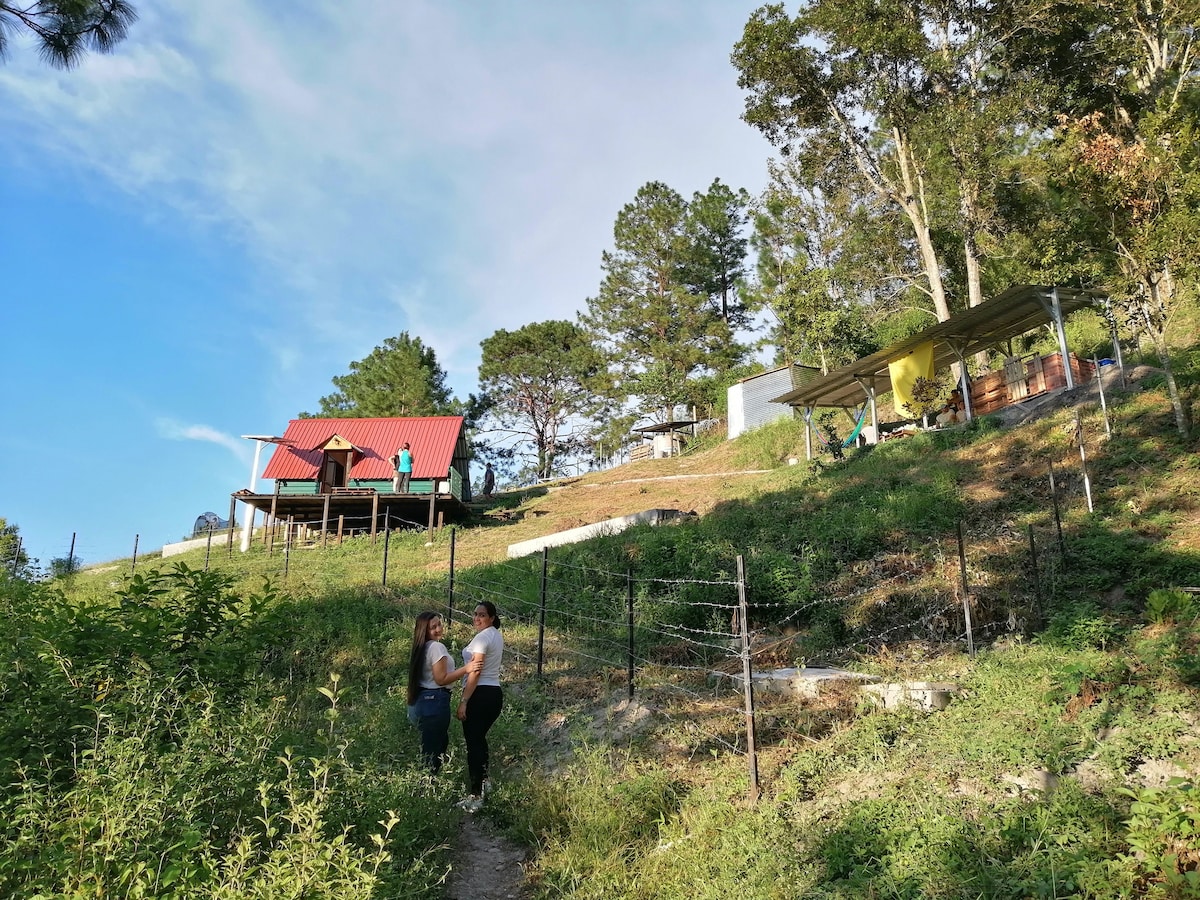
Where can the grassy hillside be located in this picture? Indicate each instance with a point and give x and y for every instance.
(241, 732)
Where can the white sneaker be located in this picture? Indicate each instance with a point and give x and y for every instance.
(471, 804)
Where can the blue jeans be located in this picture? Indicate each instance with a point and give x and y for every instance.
(433, 721)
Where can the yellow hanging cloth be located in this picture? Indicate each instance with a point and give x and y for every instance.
(917, 363)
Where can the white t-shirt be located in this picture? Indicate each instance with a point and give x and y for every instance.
(490, 643)
(434, 651)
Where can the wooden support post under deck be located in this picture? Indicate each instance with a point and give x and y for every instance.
(374, 515)
(432, 505)
(270, 540)
(325, 523)
(341, 526)
(232, 513)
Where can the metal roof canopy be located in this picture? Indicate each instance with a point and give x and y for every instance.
(1018, 310)
(664, 427)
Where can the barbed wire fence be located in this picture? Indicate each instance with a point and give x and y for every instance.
(690, 647)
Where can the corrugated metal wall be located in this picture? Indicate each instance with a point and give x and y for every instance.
(751, 397)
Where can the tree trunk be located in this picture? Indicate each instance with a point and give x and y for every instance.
(912, 201)
(1182, 415)
(974, 285)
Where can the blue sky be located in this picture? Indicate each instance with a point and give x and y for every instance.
(199, 230)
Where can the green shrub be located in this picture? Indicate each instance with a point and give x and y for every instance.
(1164, 835)
(1167, 607)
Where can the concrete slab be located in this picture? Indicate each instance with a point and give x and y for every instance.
(808, 682)
(586, 532)
(927, 695)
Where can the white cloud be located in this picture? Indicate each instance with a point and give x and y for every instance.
(439, 167)
(173, 430)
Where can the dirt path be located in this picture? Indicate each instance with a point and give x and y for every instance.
(487, 866)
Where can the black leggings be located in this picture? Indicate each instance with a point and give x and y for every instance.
(483, 709)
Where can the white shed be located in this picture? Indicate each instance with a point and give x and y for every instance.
(750, 399)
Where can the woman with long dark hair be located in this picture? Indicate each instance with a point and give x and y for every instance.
(429, 673)
(482, 698)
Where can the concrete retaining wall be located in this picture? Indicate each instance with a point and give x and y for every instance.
(219, 539)
(585, 532)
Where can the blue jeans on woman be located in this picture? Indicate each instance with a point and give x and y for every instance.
(433, 721)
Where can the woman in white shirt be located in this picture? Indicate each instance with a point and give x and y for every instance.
(429, 672)
(482, 698)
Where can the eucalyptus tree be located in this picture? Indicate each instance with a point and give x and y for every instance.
(904, 95)
(65, 30)
(658, 333)
(842, 81)
(539, 380)
(400, 377)
(809, 276)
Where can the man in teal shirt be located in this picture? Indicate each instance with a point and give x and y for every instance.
(404, 464)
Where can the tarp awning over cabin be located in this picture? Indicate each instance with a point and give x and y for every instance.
(433, 440)
(1013, 313)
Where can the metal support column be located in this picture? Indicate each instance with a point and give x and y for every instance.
(1056, 312)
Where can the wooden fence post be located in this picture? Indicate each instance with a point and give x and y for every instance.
(387, 541)
(1062, 547)
(1037, 582)
(287, 547)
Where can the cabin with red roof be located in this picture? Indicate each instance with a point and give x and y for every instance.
(338, 473)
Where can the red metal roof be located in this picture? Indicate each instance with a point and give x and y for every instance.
(433, 440)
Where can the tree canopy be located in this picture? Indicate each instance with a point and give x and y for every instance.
(13, 558)
(540, 380)
(400, 377)
(655, 314)
(65, 30)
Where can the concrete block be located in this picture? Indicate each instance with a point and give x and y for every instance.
(809, 682)
(927, 695)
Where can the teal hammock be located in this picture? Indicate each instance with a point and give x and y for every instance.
(862, 418)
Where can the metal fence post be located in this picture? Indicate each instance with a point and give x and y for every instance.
(208, 547)
(132, 563)
(542, 609)
(747, 681)
(1103, 401)
(1087, 481)
(629, 609)
(966, 597)
(450, 587)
